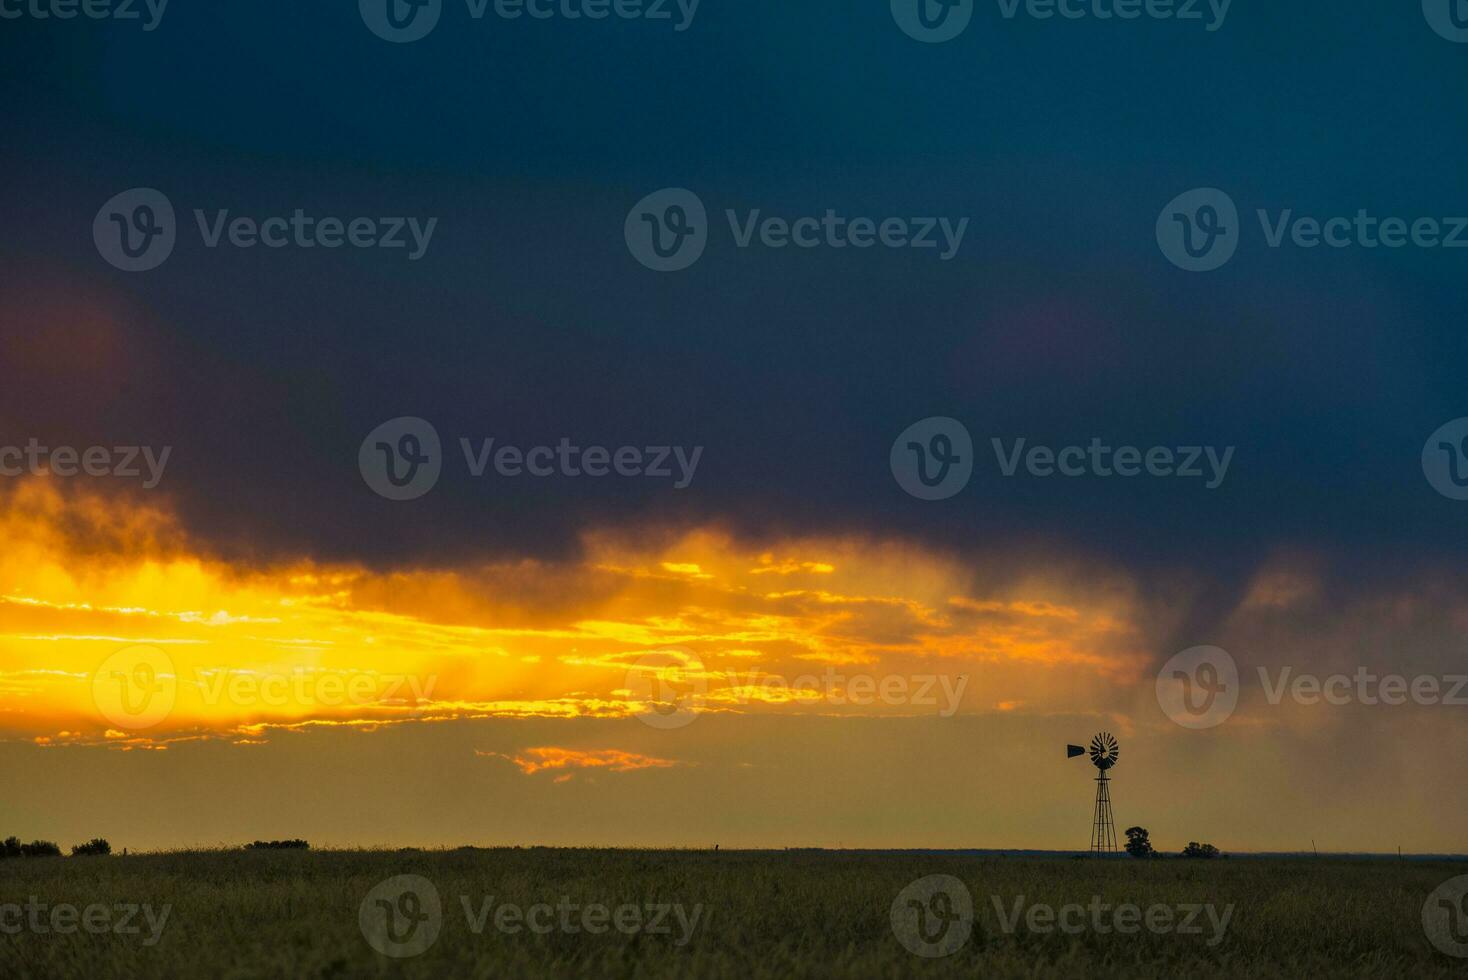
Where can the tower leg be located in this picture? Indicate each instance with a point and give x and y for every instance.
(1103, 825)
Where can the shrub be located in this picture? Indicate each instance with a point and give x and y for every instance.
(278, 845)
(10, 848)
(40, 848)
(1196, 850)
(96, 847)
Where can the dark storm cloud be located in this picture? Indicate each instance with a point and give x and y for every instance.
(527, 320)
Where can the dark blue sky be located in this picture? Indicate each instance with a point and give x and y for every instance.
(1059, 320)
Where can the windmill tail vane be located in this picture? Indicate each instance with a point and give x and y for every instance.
(1103, 751)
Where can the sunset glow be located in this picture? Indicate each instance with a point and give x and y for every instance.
(251, 649)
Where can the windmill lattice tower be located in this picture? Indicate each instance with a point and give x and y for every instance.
(1104, 751)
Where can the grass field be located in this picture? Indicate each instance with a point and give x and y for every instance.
(729, 914)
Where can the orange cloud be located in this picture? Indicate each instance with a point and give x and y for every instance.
(531, 761)
(108, 605)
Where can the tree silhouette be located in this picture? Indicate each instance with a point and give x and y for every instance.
(1196, 850)
(1137, 843)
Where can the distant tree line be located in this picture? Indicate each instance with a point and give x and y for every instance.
(11, 847)
(1138, 845)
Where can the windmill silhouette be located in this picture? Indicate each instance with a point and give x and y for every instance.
(1104, 751)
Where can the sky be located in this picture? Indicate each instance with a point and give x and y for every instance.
(777, 643)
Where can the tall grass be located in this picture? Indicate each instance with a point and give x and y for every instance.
(273, 914)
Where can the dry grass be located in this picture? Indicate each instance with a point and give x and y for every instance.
(767, 914)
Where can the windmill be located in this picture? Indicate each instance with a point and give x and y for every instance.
(1104, 751)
